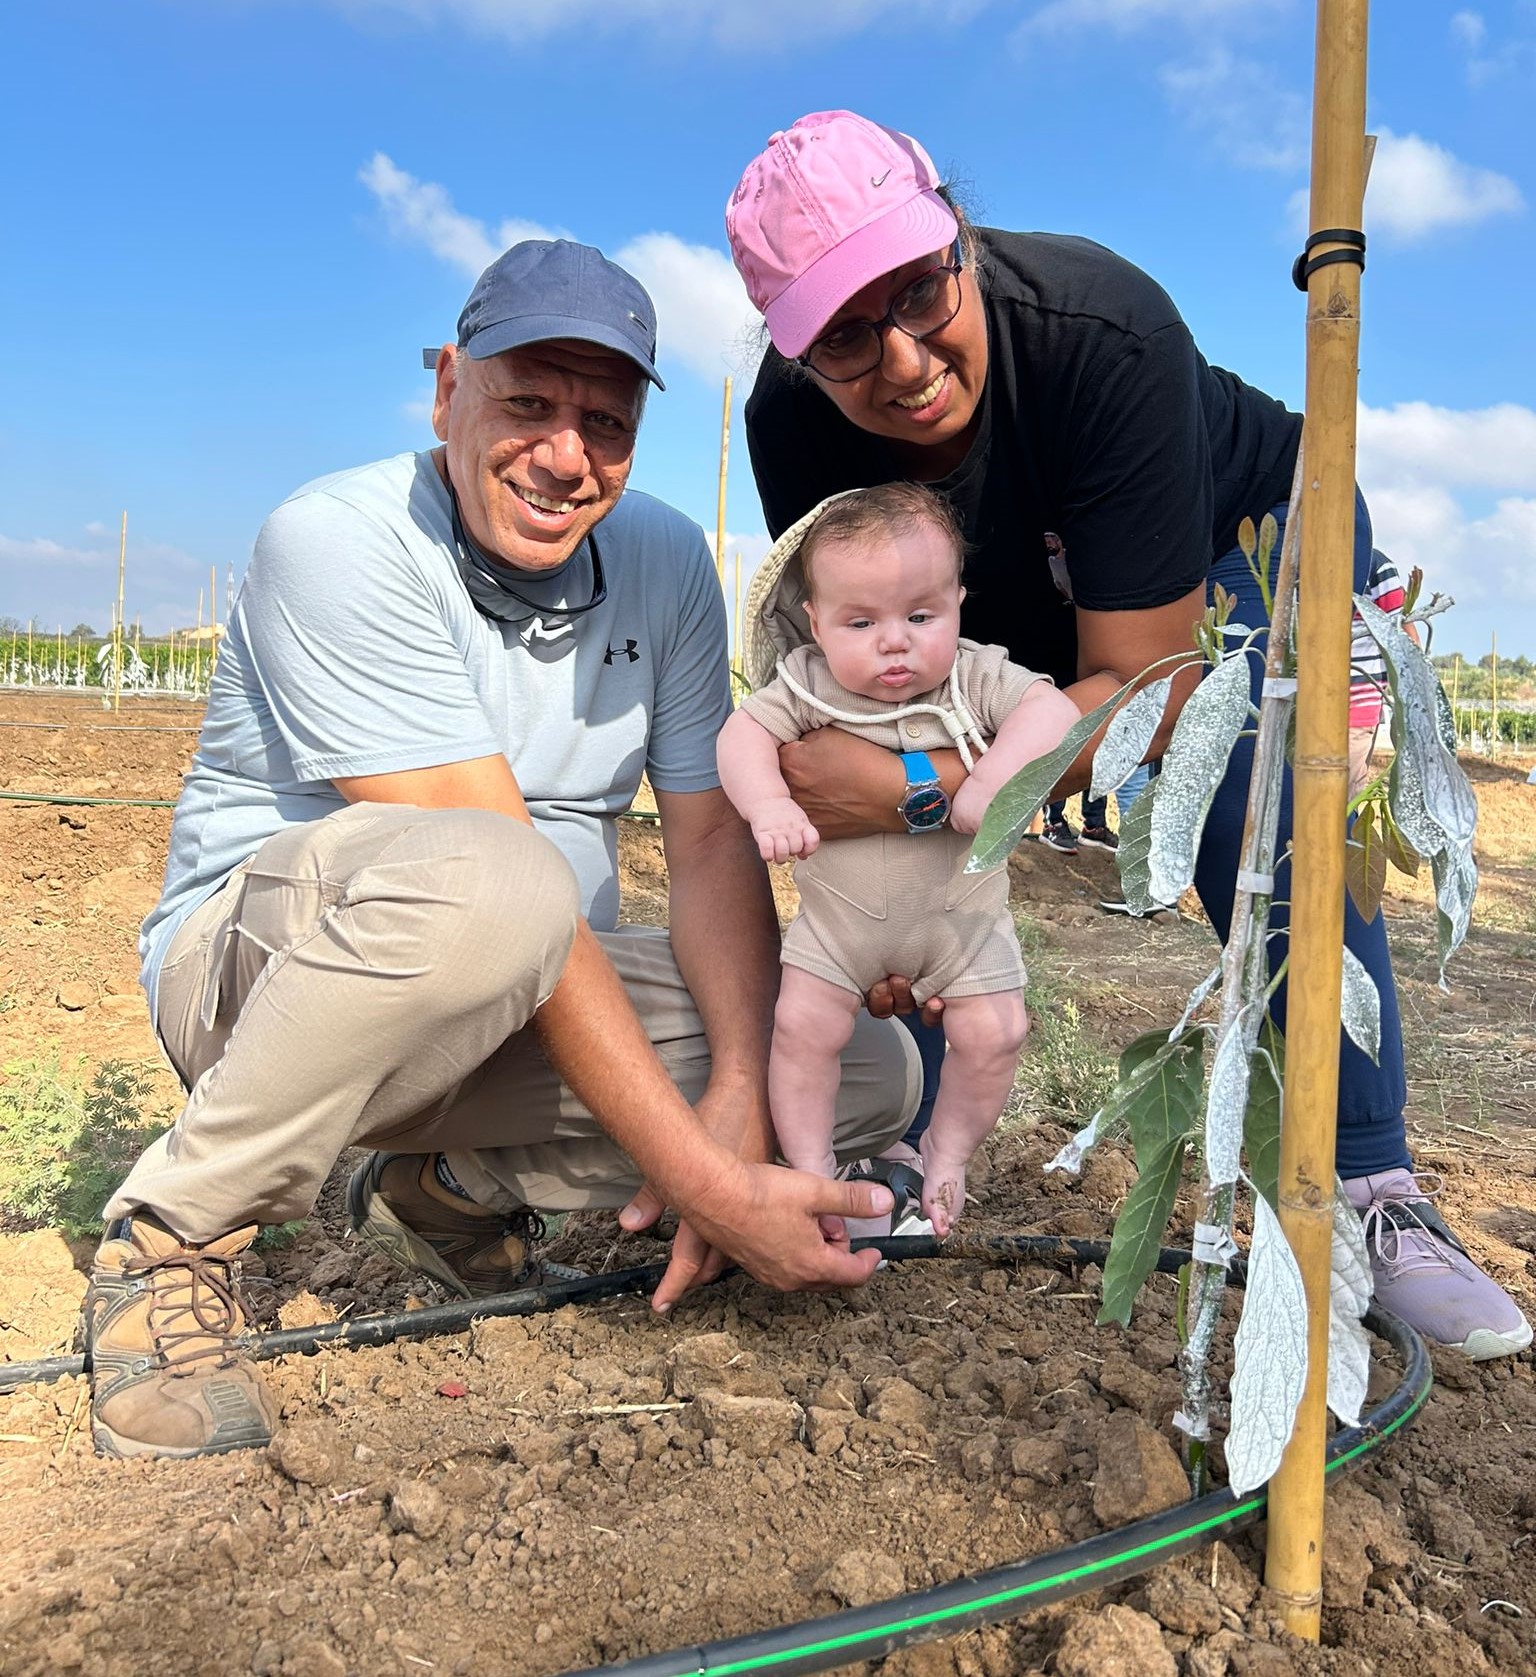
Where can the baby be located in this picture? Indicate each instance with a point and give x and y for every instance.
(881, 569)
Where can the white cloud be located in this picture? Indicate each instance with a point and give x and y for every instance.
(39, 550)
(1417, 188)
(1489, 448)
(1217, 94)
(95, 528)
(1420, 466)
(704, 320)
(1485, 60)
(421, 212)
(735, 24)
(1124, 17)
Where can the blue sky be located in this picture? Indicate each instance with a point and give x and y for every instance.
(231, 226)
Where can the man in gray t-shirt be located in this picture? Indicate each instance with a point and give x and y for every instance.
(390, 908)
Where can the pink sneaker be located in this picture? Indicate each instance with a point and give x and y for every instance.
(1423, 1273)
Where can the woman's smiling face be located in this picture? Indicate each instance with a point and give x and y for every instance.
(926, 392)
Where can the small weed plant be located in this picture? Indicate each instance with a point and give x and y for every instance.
(66, 1140)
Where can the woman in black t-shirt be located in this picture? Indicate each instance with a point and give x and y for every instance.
(1044, 384)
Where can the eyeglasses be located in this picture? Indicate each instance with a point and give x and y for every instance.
(857, 347)
(494, 596)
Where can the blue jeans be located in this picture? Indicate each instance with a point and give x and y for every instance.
(1371, 1097)
(1371, 1137)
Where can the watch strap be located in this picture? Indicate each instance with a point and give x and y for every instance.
(919, 767)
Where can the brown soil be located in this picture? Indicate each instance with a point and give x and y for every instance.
(536, 1496)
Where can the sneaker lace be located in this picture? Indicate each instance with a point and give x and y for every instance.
(1403, 1226)
(195, 1307)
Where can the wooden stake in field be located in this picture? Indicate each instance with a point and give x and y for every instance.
(213, 621)
(736, 611)
(61, 655)
(29, 652)
(1493, 703)
(117, 627)
(197, 646)
(725, 454)
(1295, 1553)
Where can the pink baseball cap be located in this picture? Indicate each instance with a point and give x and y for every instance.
(832, 204)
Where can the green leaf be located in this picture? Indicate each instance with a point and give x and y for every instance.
(1011, 811)
(1139, 1229)
(1163, 1089)
(1365, 864)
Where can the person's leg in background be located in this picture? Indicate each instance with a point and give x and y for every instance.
(1420, 1271)
(1095, 833)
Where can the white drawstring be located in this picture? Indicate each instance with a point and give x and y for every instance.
(956, 720)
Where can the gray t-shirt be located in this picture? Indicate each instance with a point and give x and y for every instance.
(354, 649)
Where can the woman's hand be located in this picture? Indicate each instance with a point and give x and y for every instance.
(850, 787)
(894, 995)
(846, 786)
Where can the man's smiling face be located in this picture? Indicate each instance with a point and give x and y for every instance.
(540, 443)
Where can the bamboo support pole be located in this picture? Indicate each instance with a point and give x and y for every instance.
(1295, 1552)
(213, 620)
(725, 454)
(117, 626)
(1493, 703)
(197, 646)
(29, 652)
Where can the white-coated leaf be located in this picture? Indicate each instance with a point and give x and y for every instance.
(1455, 875)
(1102, 1123)
(1361, 1004)
(1349, 1294)
(1134, 854)
(1126, 739)
(1212, 718)
(1270, 1368)
(1439, 809)
(1196, 998)
(1226, 1102)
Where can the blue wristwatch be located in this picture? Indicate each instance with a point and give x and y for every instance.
(925, 805)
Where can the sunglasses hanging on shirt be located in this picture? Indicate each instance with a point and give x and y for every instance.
(494, 596)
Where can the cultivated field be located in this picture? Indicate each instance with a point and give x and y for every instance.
(542, 1495)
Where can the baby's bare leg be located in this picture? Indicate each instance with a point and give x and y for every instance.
(985, 1035)
(811, 1026)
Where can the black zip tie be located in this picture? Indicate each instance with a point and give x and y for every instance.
(1302, 270)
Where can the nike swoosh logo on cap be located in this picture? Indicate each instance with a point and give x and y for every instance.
(881, 181)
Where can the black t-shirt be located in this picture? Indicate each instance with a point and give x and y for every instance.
(1100, 421)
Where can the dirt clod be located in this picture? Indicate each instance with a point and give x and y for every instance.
(1115, 1642)
(1138, 1472)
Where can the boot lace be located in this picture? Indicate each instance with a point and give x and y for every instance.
(195, 1308)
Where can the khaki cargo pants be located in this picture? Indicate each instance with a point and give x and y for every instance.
(366, 980)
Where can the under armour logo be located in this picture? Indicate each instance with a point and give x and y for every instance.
(626, 651)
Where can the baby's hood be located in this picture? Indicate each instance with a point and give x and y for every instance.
(774, 621)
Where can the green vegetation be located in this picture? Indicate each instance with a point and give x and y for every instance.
(66, 1143)
(1062, 1069)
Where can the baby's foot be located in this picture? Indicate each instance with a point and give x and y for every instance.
(943, 1192)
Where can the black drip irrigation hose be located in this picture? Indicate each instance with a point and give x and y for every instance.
(985, 1598)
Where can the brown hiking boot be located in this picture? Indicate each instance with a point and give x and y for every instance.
(162, 1328)
(399, 1208)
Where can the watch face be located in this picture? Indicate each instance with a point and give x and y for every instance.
(926, 808)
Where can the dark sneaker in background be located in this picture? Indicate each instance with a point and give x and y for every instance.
(1058, 835)
(398, 1206)
(1424, 1274)
(1099, 838)
(164, 1324)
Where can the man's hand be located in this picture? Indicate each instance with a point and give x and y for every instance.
(782, 830)
(784, 1227)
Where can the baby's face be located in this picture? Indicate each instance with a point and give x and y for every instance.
(887, 613)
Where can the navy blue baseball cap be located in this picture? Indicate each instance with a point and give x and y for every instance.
(555, 288)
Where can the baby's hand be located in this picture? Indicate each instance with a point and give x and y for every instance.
(782, 830)
(943, 1188)
(969, 807)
